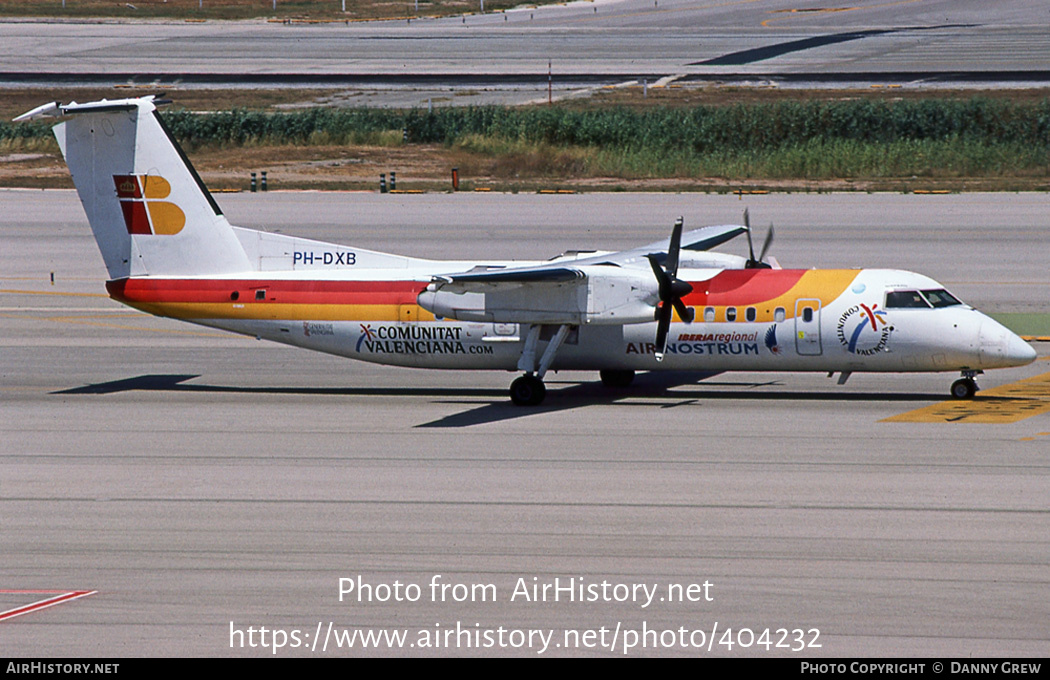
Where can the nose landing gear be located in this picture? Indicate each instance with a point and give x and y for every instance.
(965, 387)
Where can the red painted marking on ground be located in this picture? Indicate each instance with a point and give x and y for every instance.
(65, 596)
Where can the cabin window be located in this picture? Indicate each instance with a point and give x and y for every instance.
(730, 313)
(807, 314)
(260, 295)
(940, 298)
(905, 298)
(750, 314)
(779, 315)
(709, 314)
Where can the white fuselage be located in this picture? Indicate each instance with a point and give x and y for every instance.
(852, 332)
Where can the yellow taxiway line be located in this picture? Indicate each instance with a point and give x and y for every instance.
(1004, 404)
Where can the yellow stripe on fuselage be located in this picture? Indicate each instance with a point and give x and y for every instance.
(825, 285)
(815, 284)
(271, 311)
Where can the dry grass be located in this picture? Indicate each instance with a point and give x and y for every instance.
(14, 101)
(428, 167)
(690, 94)
(482, 162)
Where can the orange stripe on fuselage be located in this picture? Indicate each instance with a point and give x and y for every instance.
(744, 286)
(767, 289)
(156, 290)
(276, 311)
(764, 289)
(286, 300)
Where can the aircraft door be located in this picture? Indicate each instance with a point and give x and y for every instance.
(807, 327)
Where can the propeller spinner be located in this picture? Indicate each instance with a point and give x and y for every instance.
(672, 289)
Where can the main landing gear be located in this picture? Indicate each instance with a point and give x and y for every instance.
(965, 387)
(528, 390)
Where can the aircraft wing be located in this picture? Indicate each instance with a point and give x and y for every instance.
(696, 241)
(609, 288)
(701, 239)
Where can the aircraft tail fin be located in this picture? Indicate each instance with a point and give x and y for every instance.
(149, 210)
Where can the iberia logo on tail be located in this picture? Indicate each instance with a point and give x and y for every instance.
(143, 212)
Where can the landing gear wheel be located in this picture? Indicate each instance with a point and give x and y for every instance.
(964, 388)
(617, 379)
(528, 390)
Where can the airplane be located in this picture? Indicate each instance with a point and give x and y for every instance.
(673, 305)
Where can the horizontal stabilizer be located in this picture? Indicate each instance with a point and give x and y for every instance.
(54, 109)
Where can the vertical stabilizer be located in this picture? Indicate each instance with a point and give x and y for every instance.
(149, 211)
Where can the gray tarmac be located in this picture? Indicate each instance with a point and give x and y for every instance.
(504, 57)
(203, 482)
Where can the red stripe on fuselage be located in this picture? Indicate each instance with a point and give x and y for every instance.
(730, 287)
(743, 287)
(290, 292)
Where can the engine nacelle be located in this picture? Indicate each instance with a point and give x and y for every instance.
(603, 295)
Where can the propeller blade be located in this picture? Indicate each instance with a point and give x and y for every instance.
(661, 276)
(752, 261)
(766, 243)
(663, 319)
(750, 245)
(686, 314)
(674, 247)
(671, 289)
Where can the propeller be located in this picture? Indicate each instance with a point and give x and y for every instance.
(672, 289)
(759, 263)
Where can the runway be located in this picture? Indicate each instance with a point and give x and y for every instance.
(202, 484)
(506, 57)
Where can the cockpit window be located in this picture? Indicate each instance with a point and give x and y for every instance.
(905, 298)
(940, 298)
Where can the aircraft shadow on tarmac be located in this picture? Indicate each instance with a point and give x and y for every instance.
(753, 55)
(654, 388)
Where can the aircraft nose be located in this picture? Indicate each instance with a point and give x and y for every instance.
(1018, 351)
(1000, 347)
